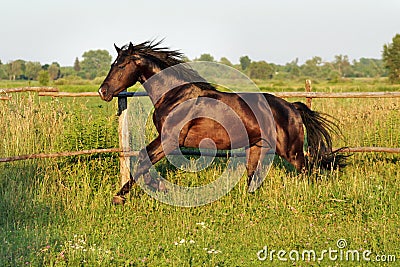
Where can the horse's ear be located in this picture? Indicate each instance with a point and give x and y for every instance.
(117, 48)
(131, 48)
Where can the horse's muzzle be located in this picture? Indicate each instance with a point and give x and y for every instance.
(103, 92)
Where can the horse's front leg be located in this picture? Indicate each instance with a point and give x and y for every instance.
(147, 157)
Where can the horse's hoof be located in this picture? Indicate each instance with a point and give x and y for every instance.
(118, 200)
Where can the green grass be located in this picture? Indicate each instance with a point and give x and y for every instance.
(58, 212)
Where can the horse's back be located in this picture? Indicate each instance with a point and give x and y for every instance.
(282, 109)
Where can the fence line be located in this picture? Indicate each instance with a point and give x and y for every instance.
(308, 95)
(29, 89)
(36, 89)
(126, 154)
(60, 154)
(67, 94)
(371, 149)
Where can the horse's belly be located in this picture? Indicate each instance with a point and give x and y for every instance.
(222, 138)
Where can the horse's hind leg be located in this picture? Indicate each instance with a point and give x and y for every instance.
(255, 155)
(147, 157)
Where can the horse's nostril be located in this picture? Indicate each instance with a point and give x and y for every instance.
(103, 90)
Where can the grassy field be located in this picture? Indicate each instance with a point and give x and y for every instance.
(58, 212)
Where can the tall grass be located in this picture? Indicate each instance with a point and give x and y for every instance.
(30, 126)
(58, 212)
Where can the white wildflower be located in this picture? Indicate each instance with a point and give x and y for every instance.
(213, 251)
(202, 224)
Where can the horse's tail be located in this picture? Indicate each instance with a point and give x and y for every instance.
(318, 129)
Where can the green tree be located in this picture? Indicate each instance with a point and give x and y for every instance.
(54, 71)
(368, 67)
(95, 63)
(16, 69)
(225, 61)
(244, 62)
(185, 59)
(44, 77)
(342, 65)
(205, 57)
(67, 71)
(312, 67)
(391, 58)
(32, 70)
(77, 65)
(329, 72)
(3, 72)
(292, 68)
(260, 70)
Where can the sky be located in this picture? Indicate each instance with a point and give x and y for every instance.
(276, 31)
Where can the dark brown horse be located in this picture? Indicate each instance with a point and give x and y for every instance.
(174, 105)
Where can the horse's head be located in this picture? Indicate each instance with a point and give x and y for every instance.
(124, 72)
(136, 63)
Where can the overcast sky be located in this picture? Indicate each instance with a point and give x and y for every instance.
(277, 31)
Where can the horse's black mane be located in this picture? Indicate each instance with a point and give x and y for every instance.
(152, 49)
(164, 58)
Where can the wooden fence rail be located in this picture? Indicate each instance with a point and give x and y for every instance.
(278, 94)
(66, 94)
(29, 89)
(60, 154)
(4, 92)
(124, 153)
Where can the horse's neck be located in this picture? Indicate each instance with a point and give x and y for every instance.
(158, 82)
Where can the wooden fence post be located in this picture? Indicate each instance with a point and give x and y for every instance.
(308, 89)
(123, 133)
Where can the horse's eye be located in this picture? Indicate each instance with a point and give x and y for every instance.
(121, 67)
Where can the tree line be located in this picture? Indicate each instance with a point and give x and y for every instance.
(315, 68)
(96, 63)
